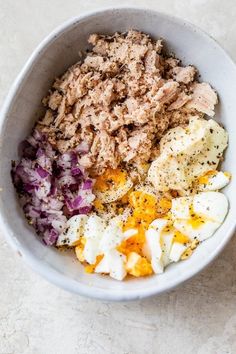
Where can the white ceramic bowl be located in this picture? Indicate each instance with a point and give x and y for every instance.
(23, 106)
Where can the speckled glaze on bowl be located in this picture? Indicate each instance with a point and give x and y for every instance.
(23, 107)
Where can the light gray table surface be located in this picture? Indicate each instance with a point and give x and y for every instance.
(39, 318)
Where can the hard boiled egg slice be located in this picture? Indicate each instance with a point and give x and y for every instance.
(138, 266)
(112, 263)
(93, 233)
(213, 181)
(103, 266)
(201, 232)
(211, 205)
(165, 244)
(112, 235)
(117, 264)
(180, 208)
(208, 212)
(217, 141)
(153, 238)
(186, 153)
(176, 251)
(167, 241)
(112, 185)
(74, 230)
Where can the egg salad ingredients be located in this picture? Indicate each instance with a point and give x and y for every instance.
(140, 247)
(123, 167)
(201, 216)
(99, 239)
(186, 154)
(191, 219)
(204, 213)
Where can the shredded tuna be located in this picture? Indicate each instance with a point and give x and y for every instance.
(184, 75)
(121, 100)
(167, 92)
(181, 100)
(204, 99)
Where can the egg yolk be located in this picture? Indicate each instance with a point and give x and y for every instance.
(79, 249)
(228, 174)
(179, 237)
(110, 179)
(144, 206)
(145, 209)
(139, 199)
(125, 198)
(98, 205)
(187, 253)
(134, 243)
(138, 266)
(164, 205)
(205, 178)
(195, 220)
(90, 268)
(79, 253)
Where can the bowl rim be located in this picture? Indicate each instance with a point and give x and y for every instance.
(41, 268)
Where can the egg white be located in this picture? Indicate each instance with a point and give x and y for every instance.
(74, 230)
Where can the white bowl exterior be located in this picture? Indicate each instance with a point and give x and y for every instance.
(23, 106)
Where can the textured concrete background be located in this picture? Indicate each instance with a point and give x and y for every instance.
(38, 318)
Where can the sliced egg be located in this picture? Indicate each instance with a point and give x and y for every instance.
(186, 153)
(213, 181)
(176, 251)
(138, 266)
(167, 241)
(103, 266)
(112, 235)
(216, 143)
(208, 211)
(117, 265)
(112, 185)
(181, 207)
(112, 263)
(165, 244)
(141, 241)
(93, 234)
(74, 230)
(201, 232)
(153, 238)
(211, 205)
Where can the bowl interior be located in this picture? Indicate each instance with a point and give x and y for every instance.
(23, 108)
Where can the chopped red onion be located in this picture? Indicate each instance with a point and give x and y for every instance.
(50, 237)
(42, 173)
(87, 184)
(52, 186)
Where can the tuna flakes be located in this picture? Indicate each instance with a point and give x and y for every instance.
(121, 100)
